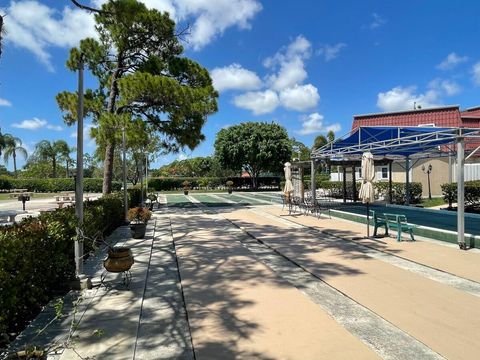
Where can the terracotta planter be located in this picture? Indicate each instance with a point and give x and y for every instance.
(119, 259)
(29, 354)
(138, 230)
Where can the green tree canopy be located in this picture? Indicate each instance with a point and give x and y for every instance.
(299, 150)
(141, 75)
(253, 146)
(51, 152)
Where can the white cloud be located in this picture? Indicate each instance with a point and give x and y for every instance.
(451, 61)
(5, 102)
(377, 21)
(55, 127)
(476, 73)
(403, 98)
(313, 123)
(259, 102)
(447, 87)
(37, 27)
(330, 52)
(300, 97)
(32, 124)
(291, 63)
(36, 123)
(182, 156)
(234, 77)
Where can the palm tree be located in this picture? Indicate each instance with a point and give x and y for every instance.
(65, 155)
(51, 151)
(13, 146)
(319, 141)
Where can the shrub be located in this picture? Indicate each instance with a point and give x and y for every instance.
(139, 215)
(55, 185)
(472, 193)
(381, 188)
(37, 257)
(175, 183)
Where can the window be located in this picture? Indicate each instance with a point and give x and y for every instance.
(384, 172)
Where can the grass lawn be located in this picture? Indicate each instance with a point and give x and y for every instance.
(433, 202)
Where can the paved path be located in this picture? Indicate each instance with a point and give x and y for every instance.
(238, 308)
(433, 313)
(256, 283)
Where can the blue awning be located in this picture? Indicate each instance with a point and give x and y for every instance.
(393, 141)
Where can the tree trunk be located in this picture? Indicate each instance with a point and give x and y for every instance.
(108, 167)
(110, 147)
(67, 169)
(54, 165)
(14, 164)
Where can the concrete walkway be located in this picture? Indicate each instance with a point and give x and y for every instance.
(433, 313)
(255, 283)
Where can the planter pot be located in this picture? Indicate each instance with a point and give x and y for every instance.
(27, 354)
(119, 259)
(138, 230)
(185, 192)
(229, 191)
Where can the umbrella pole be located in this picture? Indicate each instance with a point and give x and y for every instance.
(368, 219)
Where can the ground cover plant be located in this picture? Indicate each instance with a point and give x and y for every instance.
(37, 257)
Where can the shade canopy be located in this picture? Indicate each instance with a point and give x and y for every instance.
(392, 141)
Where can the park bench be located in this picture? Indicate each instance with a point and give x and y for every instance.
(378, 220)
(62, 199)
(399, 223)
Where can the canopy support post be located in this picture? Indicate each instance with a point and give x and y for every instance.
(313, 172)
(354, 185)
(390, 190)
(344, 169)
(461, 193)
(407, 180)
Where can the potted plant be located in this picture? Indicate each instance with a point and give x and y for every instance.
(186, 187)
(153, 199)
(138, 217)
(229, 184)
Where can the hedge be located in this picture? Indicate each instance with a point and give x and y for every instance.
(175, 183)
(55, 185)
(472, 193)
(381, 188)
(37, 257)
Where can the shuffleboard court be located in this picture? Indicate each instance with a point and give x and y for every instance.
(241, 200)
(211, 201)
(439, 219)
(180, 201)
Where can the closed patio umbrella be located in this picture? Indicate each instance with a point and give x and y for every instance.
(288, 179)
(367, 193)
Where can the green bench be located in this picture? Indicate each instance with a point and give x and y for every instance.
(391, 221)
(399, 223)
(378, 221)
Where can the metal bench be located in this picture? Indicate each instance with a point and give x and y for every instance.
(399, 224)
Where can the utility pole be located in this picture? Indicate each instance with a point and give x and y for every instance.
(79, 177)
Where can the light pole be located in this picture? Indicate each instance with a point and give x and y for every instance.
(125, 194)
(79, 175)
(427, 170)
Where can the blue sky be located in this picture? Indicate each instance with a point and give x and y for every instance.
(309, 65)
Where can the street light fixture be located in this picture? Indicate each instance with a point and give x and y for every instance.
(427, 170)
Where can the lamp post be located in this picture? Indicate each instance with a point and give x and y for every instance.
(79, 175)
(427, 170)
(125, 194)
